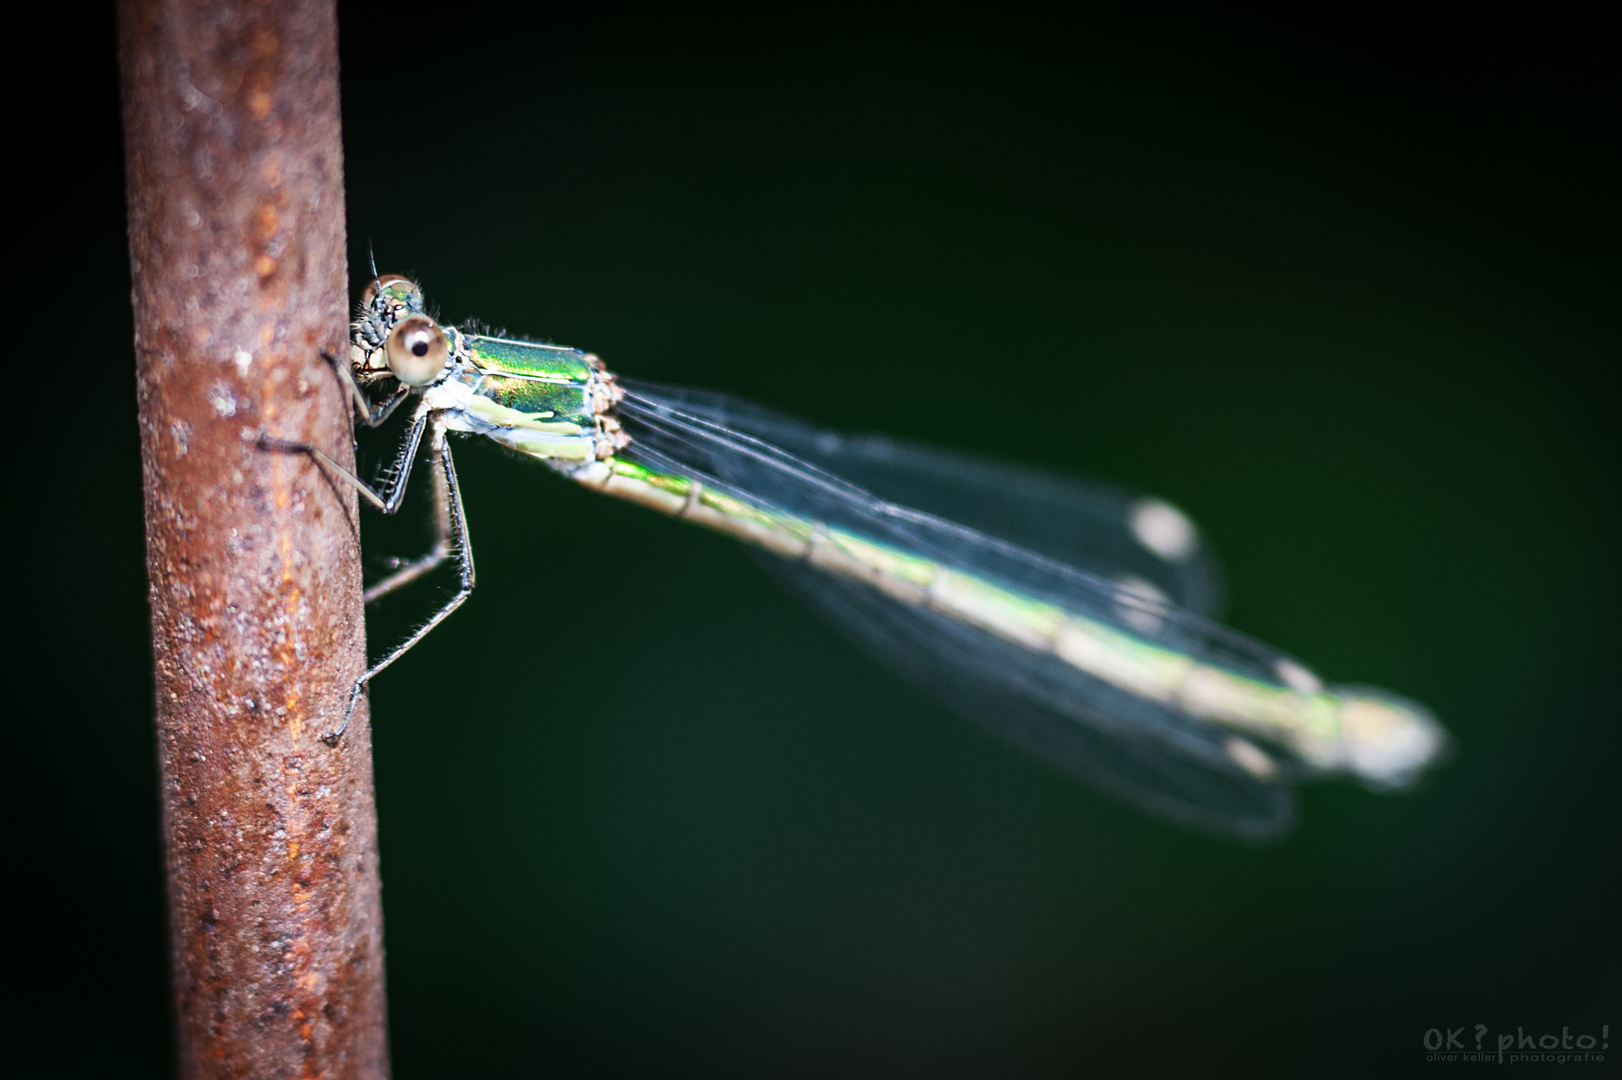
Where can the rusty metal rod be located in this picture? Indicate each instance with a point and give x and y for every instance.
(236, 229)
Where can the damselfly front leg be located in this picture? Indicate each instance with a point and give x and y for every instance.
(372, 414)
(393, 491)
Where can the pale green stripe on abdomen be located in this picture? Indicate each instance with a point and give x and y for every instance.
(1310, 723)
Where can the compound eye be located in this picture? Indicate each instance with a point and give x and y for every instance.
(416, 350)
(397, 287)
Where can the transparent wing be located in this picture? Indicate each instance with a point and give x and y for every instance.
(1106, 531)
(1147, 752)
(1073, 723)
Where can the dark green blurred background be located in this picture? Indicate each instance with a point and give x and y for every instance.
(1350, 302)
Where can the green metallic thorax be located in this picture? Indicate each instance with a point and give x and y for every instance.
(547, 382)
(547, 401)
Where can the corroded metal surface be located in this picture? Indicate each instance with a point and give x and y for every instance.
(237, 251)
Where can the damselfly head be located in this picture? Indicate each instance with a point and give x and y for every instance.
(416, 350)
(389, 302)
(395, 289)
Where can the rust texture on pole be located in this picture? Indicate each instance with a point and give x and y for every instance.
(237, 249)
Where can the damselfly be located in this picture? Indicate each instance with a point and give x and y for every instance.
(1064, 617)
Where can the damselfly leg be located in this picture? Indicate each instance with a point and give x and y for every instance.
(450, 537)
